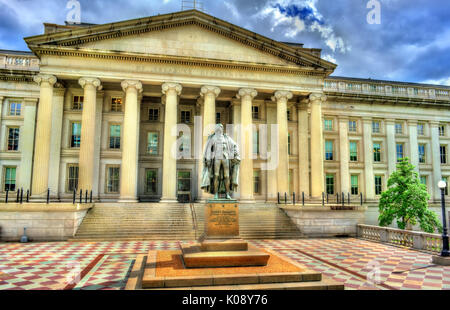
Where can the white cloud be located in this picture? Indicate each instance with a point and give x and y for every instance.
(444, 81)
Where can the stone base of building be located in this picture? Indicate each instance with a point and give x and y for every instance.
(317, 221)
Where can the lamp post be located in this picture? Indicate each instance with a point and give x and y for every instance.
(445, 248)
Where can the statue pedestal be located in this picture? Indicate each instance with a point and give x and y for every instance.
(220, 246)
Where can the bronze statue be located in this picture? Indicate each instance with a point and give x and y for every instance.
(221, 161)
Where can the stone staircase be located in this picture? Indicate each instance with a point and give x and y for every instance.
(144, 221)
(159, 221)
(258, 221)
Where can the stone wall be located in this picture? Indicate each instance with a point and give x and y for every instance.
(318, 221)
(52, 222)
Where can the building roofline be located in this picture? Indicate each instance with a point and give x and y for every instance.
(15, 52)
(386, 82)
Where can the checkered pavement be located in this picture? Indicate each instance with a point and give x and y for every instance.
(359, 264)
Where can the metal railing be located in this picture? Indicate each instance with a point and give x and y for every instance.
(339, 199)
(20, 196)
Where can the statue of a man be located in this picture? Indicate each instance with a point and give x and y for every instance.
(221, 161)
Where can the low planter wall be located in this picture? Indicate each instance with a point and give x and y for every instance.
(322, 221)
(44, 222)
(407, 238)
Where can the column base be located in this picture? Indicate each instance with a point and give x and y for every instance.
(168, 200)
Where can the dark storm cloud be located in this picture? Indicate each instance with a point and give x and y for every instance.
(412, 43)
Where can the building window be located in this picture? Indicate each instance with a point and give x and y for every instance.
(421, 129)
(442, 130)
(443, 154)
(185, 145)
(218, 118)
(13, 139)
(77, 103)
(375, 127)
(10, 178)
(400, 151)
(423, 181)
(151, 181)
(256, 181)
(256, 142)
(398, 128)
(153, 115)
(377, 152)
(116, 105)
(186, 117)
(329, 181)
(353, 151)
(72, 178)
(328, 150)
(184, 182)
(114, 137)
(328, 124)
(15, 109)
(113, 179)
(152, 143)
(289, 143)
(75, 140)
(352, 126)
(378, 185)
(445, 179)
(355, 185)
(422, 154)
(255, 112)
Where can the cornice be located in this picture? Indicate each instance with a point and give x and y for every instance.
(178, 60)
(17, 75)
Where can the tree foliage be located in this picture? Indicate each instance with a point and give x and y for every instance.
(406, 201)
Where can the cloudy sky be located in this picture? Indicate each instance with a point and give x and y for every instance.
(411, 43)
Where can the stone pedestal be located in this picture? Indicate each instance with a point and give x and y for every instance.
(220, 245)
(440, 260)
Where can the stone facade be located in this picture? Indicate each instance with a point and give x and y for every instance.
(100, 107)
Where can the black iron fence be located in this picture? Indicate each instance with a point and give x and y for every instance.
(335, 199)
(20, 196)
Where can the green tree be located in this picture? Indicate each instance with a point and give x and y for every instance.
(406, 201)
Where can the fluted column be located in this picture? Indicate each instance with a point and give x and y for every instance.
(271, 174)
(281, 98)
(246, 171)
(43, 134)
(1, 109)
(209, 95)
(27, 142)
(368, 159)
(317, 145)
(344, 154)
(391, 146)
(413, 144)
(303, 147)
(86, 162)
(436, 159)
(130, 149)
(169, 190)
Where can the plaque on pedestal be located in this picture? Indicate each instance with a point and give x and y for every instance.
(221, 220)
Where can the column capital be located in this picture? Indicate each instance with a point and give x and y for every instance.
(214, 90)
(282, 95)
(166, 87)
(317, 98)
(1, 99)
(84, 81)
(127, 84)
(243, 92)
(45, 78)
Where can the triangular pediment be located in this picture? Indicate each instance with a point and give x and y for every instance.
(187, 34)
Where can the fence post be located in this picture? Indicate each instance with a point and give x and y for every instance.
(293, 198)
(48, 196)
(21, 196)
(28, 195)
(81, 196)
(90, 197)
(337, 197)
(86, 196)
(328, 198)
(6, 198)
(18, 194)
(278, 197)
(74, 195)
(285, 198)
(323, 199)
(348, 195)
(361, 199)
(343, 199)
(303, 198)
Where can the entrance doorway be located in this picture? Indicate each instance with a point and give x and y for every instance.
(184, 185)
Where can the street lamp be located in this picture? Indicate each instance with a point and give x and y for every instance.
(445, 248)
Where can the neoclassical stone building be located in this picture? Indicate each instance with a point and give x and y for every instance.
(96, 107)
